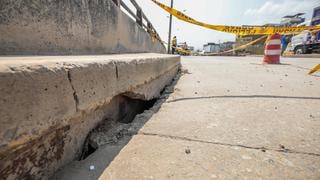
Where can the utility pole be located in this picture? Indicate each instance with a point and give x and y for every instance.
(170, 25)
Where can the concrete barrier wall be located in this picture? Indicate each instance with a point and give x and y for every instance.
(50, 103)
(70, 27)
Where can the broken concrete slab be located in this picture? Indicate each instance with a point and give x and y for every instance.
(50, 103)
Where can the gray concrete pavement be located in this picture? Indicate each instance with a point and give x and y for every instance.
(228, 111)
(236, 101)
(230, 118)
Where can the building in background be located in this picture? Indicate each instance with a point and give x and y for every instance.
(316, 20)
(316, 16)
(218, 47)
(191, 48)
(293, 20)
(211, 48)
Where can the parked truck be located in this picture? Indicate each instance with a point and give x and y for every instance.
(305, 43)
(308, 41)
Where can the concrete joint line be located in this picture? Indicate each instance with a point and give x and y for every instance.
(284, 150)
(75, 96)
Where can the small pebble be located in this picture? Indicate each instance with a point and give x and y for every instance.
(187, 151)
(270, 161)
(286, 75)
(195, 92)
(91, 168)
(275, 107)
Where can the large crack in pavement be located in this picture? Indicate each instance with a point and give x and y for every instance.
(244, 97)
(263, 149)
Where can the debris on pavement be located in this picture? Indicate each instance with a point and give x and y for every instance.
(187, 151)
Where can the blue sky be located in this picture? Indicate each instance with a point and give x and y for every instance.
(228, 12)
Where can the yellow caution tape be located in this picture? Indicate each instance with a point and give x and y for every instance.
(240, 47)
(239, 30)
(314, 69)
(315, 31)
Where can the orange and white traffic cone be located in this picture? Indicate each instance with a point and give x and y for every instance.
(272, 50)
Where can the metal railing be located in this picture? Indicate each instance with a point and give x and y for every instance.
(139, 17)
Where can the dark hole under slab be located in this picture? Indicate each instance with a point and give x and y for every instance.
(113, 128)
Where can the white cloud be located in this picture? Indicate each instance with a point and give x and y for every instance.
(272, 11)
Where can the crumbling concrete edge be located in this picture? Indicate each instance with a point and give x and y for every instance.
(39, 155)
